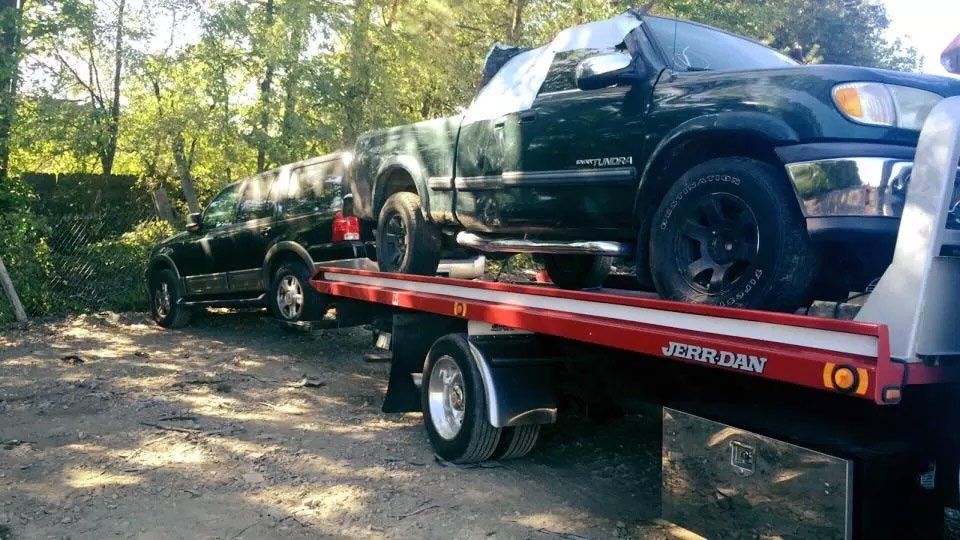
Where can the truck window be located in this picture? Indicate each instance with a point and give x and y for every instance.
(313, 189)
(562, 75)
(222, 208)
(255, 202)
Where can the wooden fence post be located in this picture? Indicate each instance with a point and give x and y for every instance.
(12, 294)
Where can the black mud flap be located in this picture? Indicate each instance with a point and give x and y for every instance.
(413, 335)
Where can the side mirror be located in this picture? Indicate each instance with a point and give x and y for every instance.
(194, 221)
(951, 57)
(604, 70)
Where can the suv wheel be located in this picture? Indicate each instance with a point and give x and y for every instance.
(577, 271)
(729, 232)
(165, 304)
(290, 296)
(406, 242)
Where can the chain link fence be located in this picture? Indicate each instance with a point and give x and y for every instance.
(98, 258)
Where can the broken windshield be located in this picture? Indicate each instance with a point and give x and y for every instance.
(694, 47)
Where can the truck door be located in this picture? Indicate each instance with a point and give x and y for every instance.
(576, 170)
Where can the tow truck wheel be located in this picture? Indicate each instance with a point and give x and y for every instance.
(455, 404)
(730, 232)
(406, 242)
(517, 441)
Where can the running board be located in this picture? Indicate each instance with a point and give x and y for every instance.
(555, 247)
(239, 302)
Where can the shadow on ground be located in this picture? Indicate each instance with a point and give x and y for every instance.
(208, 432)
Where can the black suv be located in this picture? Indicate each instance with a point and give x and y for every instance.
(257, 243)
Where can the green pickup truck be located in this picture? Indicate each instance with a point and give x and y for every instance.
(728, 172)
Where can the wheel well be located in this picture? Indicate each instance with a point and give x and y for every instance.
(673, 161)
(277, 260)
(159, 265)
(393, 181)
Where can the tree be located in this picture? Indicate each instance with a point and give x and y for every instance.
(11, 13)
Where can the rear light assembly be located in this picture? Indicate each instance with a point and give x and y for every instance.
(345, 228)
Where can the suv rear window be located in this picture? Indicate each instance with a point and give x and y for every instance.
(313, 189)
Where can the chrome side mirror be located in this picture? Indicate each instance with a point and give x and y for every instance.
(603, 70)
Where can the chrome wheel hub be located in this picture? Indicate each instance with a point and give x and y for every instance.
(161, 301)
(446, 397)
(290, 297)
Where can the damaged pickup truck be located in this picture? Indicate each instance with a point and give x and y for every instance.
(728, 172)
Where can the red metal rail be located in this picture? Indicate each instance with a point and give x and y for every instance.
(837, 356)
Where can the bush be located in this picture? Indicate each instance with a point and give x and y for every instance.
(122, 264)
(24, 251)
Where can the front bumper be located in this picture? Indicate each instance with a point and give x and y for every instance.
(870, 186)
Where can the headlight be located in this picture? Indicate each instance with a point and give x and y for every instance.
(884, 104)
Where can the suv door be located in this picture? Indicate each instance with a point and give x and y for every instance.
(204, 276)
(252, 234)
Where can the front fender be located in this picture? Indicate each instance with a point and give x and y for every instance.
(720, 125)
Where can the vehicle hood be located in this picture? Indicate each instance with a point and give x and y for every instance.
(944, 86)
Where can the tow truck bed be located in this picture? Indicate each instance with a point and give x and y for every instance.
(796, 349)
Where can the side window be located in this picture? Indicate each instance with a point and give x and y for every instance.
(313, 189)
(255, 202)
(222, 208)
(562, 74)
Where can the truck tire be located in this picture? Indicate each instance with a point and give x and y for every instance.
(730, 232)
(406, 242)
(517, 441)
(455, 403)
(577, 271)
(165, 306)
(290, 297)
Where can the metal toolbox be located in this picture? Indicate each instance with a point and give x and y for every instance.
(723, 482)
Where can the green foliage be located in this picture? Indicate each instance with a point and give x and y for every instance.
(24, 251)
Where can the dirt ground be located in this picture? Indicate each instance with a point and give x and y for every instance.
(111, 426)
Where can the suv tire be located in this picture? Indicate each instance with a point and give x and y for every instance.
(730, 232)
(577, 271)
(406, 242)
(290, 297)
(165, 306)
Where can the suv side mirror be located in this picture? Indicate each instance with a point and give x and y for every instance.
(605, 69)
(194, 221)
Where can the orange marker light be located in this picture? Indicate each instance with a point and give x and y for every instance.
(844, 379)
(848, 99)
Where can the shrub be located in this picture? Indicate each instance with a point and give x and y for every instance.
(24, 251)
(122, 265)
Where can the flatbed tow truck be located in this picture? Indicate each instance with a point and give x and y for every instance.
(773, 425)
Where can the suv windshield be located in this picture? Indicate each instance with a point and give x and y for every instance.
(694, 47)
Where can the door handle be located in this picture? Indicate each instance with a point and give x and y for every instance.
(528, 116)
(265, 230)
(499, 123)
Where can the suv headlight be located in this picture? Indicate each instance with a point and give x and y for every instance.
(884, 104)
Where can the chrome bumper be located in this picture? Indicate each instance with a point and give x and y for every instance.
(855, 186)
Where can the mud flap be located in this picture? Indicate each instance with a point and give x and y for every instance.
(413, 335)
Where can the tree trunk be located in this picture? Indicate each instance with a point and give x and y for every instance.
(358, 89)
(10, 20)
(11, 292)
(514, 33)
(113, 122)
(183, 170)
(266, 87)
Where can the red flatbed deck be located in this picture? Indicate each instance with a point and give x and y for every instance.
(802, 350)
